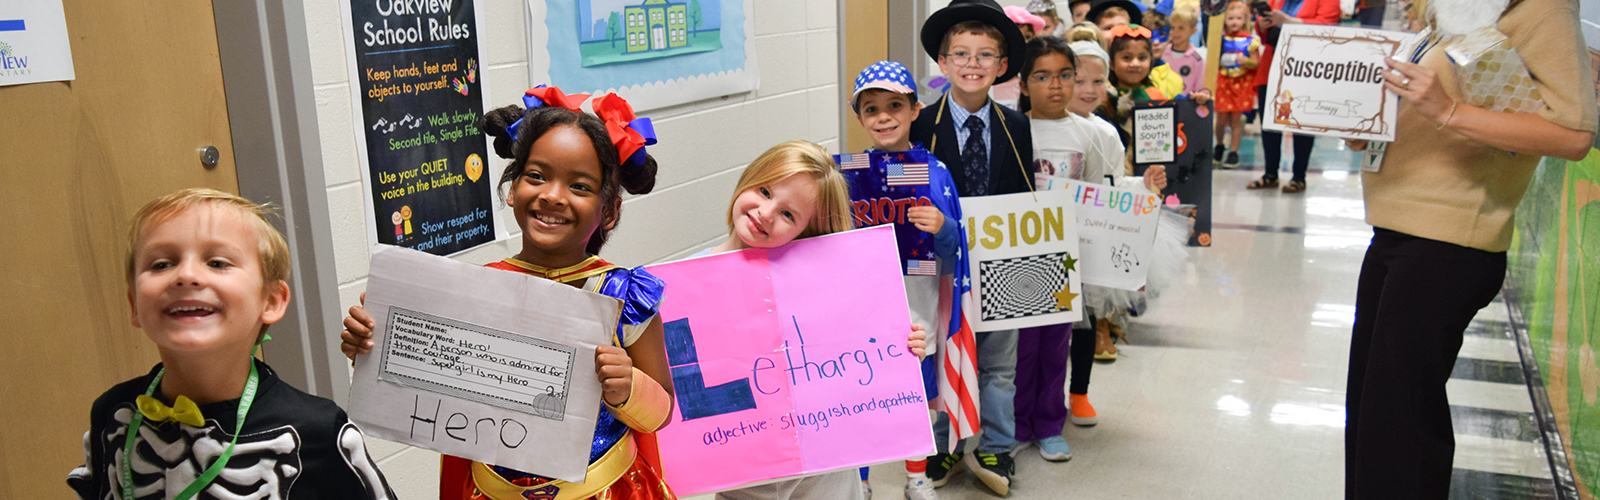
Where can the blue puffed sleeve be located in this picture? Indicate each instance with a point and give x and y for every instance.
(640, 293)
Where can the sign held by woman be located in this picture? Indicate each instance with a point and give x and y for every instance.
(1328, 80)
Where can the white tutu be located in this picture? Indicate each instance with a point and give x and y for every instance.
(1170, 251)
(1169, 256)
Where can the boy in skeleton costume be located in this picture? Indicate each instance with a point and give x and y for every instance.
(206, 274)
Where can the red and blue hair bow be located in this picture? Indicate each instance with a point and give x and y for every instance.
(629, 134)
(542, 96)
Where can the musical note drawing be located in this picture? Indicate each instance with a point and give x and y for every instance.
(1123, 258)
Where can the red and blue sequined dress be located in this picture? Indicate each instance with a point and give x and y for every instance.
(1236, 85)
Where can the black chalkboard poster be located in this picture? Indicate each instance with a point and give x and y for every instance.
(1189, 174)
(416, 77)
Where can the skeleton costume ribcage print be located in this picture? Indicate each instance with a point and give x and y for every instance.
(293, 446)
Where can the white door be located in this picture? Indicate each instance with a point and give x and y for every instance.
(658, 36)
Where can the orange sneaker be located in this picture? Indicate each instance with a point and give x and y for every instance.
(1082, 412)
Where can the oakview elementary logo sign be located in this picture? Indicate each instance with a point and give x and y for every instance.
(11, 63)
(33, 44)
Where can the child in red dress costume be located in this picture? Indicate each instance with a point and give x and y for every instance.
(1236, 92)
(564, 187)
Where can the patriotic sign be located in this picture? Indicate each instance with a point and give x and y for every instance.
(771, 381)
(883, 185)
(1024, 258)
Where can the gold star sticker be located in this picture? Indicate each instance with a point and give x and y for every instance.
(1070, 263)
(1064, 297)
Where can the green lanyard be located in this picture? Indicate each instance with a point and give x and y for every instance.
(210, 474)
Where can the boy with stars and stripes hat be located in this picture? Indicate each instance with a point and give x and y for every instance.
(885, 102)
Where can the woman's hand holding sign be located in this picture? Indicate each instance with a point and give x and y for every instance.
(1521, 133)
(1419, 86)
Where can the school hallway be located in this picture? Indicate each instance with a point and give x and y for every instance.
(1232, 386)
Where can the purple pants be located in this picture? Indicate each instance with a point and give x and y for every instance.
(1041, 401)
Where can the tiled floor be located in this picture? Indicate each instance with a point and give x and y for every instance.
(1233, 385)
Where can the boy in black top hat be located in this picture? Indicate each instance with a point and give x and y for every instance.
(989, 150)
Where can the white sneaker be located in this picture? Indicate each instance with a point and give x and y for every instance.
(920, 489)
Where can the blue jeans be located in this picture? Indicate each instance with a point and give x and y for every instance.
(997, 390)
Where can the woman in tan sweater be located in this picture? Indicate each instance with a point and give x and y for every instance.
(1441, 204)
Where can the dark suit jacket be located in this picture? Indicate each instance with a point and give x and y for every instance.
(1006, 176)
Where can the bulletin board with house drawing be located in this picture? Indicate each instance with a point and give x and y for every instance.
(655, 53)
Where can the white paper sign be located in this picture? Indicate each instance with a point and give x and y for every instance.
(1116, 228)
(1328, 80)
(1154, 138)
(481, 363)
(1024, 259)
(34, 46)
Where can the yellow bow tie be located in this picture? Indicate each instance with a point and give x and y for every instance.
(183, 411)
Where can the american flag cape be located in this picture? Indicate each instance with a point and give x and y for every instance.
(952, 374)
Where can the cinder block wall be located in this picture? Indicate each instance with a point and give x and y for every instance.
(704, 146)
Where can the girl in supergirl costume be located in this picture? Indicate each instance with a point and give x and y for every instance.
(564, 181)
(1236, 92)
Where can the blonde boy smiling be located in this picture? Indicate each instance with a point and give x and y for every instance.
(206, 275)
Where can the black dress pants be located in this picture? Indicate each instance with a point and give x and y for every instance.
(1415, 298)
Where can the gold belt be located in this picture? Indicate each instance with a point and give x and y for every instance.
(610, 467)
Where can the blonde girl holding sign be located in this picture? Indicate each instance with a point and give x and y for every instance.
(790, 192)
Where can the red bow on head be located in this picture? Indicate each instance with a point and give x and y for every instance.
(552, 96)
(542, 96)
(1133, 30)
(629, 134)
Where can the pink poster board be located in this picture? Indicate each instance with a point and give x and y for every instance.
(789, 361)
